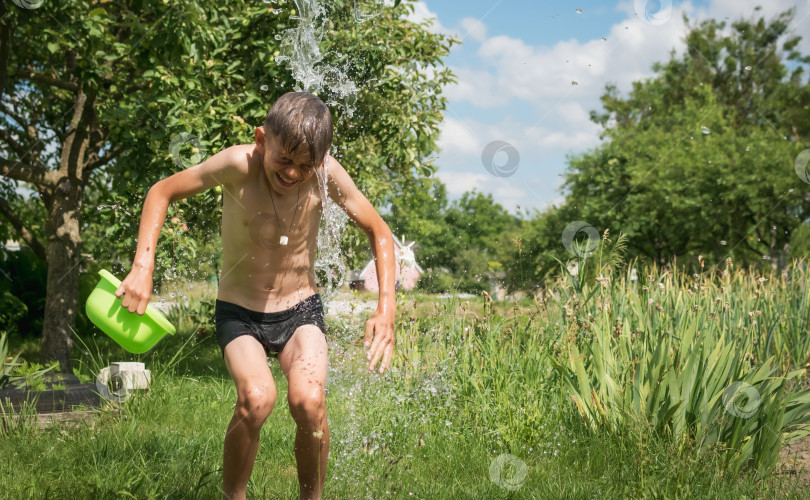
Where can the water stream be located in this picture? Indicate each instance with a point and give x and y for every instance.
(300, 50)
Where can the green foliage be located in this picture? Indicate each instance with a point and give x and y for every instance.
(22, 292)
(196, 317)
(469, 237)
(800, 242)
(664, 356)
(418, 214)
(30, 375)
(151, 71)
(21, 423)
(436, 281)
(699, 159)
(11, 310)
(677, 369)
(472, 270)
(217, 95)
(469, 381)
(534, 251)
(20, 373)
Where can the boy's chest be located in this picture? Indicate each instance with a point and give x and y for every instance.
(288, 223)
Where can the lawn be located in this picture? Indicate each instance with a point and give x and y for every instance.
(483, 400)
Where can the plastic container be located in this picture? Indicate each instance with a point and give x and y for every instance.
(135, 333)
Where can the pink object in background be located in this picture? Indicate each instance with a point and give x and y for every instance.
(407, 270)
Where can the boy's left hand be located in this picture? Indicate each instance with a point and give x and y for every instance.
(380, 339)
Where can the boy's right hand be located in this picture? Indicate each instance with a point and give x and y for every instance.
(136, 290)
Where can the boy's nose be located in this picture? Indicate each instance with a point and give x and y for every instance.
(291, 173)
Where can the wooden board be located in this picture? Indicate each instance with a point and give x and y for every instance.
(50, 400)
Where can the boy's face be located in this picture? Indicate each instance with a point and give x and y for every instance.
(284, 172)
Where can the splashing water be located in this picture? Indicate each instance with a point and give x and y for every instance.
(113, 208)
(300, 49)
(329, 266)
(362, 15)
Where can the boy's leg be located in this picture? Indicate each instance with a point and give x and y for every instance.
(256, 394)
(304, 362)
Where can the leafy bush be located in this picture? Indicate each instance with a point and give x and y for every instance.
(20, 374)
(22, 292)
(196, 317)
(704, 356)
(436, 281)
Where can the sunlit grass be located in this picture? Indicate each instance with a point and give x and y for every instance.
(472, 380)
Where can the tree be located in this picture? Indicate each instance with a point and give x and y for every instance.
(699, 159)
(418, 214)
(533, 252)
(104, 95)
(469, 237)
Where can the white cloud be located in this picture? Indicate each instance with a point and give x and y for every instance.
(504, 192)
(474, 29)
(574, 70)
(552, 88)
(422, 13)
(458, 137)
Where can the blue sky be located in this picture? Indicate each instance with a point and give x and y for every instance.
(531, 71)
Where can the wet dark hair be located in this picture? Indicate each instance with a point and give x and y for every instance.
(303, 125)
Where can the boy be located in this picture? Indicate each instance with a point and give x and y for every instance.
(267, 300)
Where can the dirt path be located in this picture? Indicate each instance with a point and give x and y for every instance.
(795, 459)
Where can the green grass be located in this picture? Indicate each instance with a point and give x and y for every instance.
(471, 380)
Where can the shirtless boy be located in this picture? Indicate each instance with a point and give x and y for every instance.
(268, 302)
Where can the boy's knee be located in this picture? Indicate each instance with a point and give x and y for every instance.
(309, 406)
(255, 404)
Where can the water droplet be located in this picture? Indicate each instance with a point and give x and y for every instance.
(579, 11)
(705, 130)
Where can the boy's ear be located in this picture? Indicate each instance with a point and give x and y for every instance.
(258, 135)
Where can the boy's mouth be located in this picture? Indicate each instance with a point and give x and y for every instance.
(285, 182)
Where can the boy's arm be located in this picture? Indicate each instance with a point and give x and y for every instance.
(380, 327)
(222, 168)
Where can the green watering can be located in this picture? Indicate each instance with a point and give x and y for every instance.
(135, 333)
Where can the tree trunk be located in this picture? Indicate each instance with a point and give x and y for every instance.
(63, 202)
(64, 256)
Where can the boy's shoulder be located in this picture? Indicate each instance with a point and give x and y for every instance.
(236, 163)
(244, 156)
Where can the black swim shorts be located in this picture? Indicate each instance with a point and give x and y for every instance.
(273, 330)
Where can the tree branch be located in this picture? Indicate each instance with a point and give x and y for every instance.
(24, 172)
(32, 75)
(98, 162)
(15, 146)
(14, 116)
(23, 231)
(73, 132)
(5, 41)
